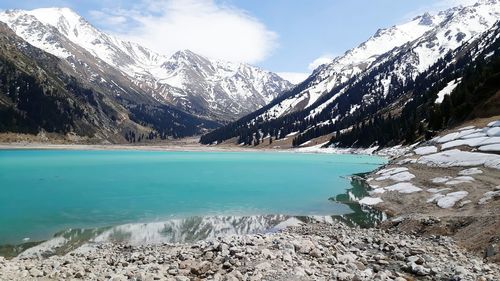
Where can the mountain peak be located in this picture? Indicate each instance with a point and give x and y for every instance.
(486, 2)
(426, 19)
(184, 59)
(55, 16)
(185, 53)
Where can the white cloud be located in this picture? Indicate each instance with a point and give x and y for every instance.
(106, 19)
(202, 26)
(327, 58)
(294, 77)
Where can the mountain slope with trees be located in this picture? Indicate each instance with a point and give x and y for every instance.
(477, 95)
(395, 80)
(41, 93)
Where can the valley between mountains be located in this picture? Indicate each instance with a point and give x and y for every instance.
(403, 84)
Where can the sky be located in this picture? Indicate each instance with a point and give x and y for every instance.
(289, 37)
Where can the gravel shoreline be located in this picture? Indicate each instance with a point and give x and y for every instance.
(309, 252)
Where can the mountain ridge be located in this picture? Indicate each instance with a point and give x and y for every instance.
(294, 111)
(43, 93)
(218, 99)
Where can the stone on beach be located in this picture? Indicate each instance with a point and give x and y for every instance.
(313, 251)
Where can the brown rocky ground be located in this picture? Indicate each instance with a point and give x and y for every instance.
(472, 221)
(474, 226)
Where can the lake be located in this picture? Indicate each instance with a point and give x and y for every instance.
(47, 191)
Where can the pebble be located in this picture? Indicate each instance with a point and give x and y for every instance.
(307, 252)
(35, 272)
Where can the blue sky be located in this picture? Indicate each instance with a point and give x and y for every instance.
(278, 35)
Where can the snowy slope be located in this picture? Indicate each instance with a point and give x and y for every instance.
(37, 27)
(377, 76)
(221, 90)
(420, 42)
(341, 69)
(225, 87)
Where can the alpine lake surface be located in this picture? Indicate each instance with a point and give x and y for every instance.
(153, 196)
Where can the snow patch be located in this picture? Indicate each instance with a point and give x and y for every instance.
(488, 196)
(424, 150)
(472, 142)
(494, 124)
(448, 137)
(435, 197)
(493, 132)
(399, 177)
(490, 147)
(440, 179)
(450, 199)
(403, 187)
(469, 172)
(460, 180)
(466, 128)
(457, 158)
(293, 221)
(447, 90)
(46, 248)
(391, 171)
(370, 201)
(437, 190)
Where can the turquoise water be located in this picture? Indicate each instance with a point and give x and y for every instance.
(46, 191)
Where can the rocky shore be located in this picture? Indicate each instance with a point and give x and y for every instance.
(308, 252)
(449, 185)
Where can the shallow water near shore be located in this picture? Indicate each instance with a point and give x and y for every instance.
(44, 192)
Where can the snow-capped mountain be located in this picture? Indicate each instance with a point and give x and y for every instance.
(80, 99)
(357, 60)
(424, 40)
(367, 78)
(226, 89)
(209, 88)
(43, 27)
